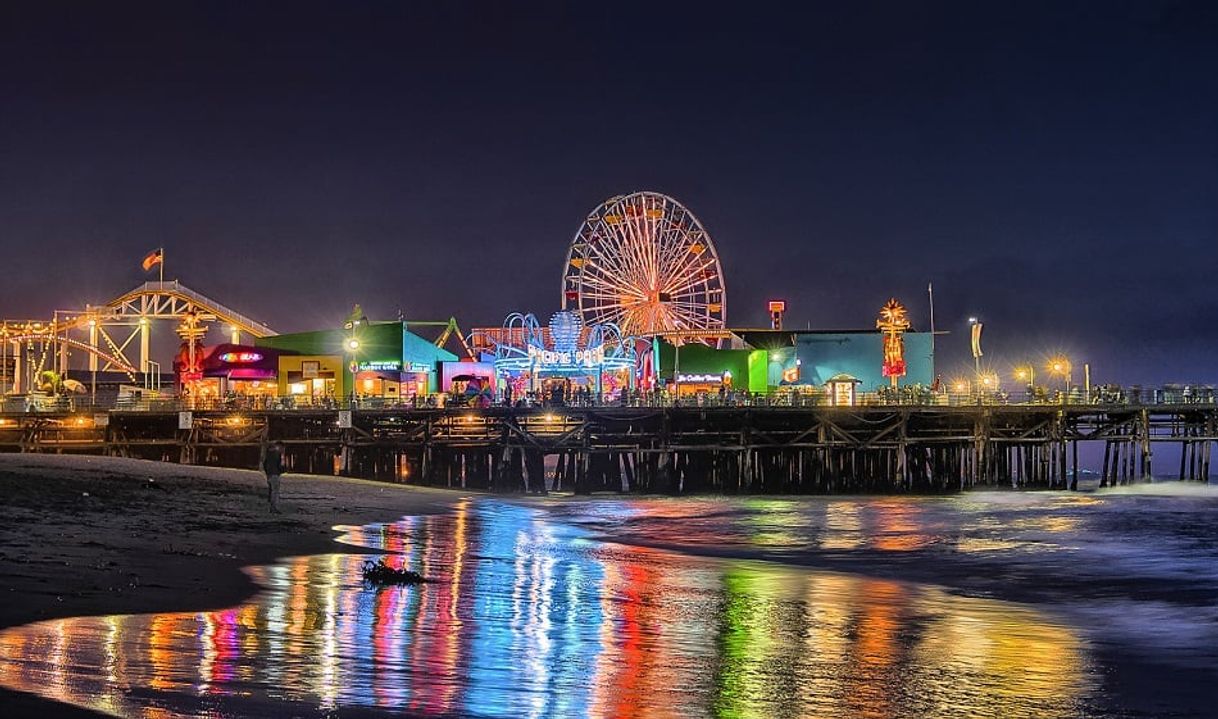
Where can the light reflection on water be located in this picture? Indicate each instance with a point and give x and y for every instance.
(531, 618)
(1154, 535)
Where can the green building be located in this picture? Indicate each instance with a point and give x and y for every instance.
(378, 359)
(695, 367)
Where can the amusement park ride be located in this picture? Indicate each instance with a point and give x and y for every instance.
(108, 334)
(643, 262)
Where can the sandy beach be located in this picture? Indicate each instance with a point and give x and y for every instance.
(93, 535)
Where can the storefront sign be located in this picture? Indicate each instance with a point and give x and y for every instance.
(418, 367)
(240, 357)
(700, 378)
(523, 347)
(579, 358)
(185, 420)
(310, 369)
(381, 366)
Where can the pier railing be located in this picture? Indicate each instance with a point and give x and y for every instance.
(1106, 396)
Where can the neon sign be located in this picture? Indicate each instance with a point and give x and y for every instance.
(240, 357)
(380, 365)
(570, 348)
(702, 378)
(570, 358)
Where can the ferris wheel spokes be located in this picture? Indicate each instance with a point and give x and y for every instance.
(645, 262)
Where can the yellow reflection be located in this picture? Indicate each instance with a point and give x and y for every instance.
(843, 526)
(982, 544)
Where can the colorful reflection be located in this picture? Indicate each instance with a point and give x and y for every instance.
(980, 522)
(528, 617)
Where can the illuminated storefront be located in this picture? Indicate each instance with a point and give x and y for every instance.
(312, 378)
(233, 370)
(694, 368)
(377, 359)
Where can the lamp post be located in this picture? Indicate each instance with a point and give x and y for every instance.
(1061, 366)
(989, 383)
(1027, 375)
(352, 342)
(353, 348)
(93, 362)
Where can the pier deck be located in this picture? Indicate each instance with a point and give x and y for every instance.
(898, 449)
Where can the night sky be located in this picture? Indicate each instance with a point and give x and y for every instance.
(1052, 168)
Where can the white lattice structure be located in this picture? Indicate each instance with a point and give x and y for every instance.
(108, 333)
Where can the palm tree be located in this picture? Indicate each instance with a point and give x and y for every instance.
(50, 382)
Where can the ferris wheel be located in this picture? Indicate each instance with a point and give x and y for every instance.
(643, 262)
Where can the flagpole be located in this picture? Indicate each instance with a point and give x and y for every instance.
(161, 266)
(930, 292)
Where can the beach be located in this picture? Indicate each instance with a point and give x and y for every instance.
(96, 535)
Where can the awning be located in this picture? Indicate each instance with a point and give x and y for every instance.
(248, 373)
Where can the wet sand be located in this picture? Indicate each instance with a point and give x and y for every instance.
(91, 535)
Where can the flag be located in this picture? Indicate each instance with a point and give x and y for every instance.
(152, 259)
(976, 339)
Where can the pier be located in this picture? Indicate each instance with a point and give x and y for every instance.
(667, 450)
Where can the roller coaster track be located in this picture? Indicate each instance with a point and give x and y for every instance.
(112, 359)
(159, 301)
(170, 300)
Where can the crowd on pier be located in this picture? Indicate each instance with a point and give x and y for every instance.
(914, 395)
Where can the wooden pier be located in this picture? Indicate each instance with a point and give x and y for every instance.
(671, 450)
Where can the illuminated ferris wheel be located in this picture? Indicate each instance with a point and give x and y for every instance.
(643, 262)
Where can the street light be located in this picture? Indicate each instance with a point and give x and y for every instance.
(352, 345)
(1060, 365)
(1026, 374)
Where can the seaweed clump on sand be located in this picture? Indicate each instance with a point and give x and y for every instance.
(382, 574)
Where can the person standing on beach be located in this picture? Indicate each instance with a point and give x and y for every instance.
(272, 465)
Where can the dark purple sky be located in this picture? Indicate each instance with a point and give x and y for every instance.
(1052, 168)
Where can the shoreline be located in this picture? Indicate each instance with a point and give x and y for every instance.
(87, 536)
